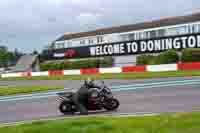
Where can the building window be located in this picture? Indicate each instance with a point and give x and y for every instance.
(99, 39)
(152, 34)
(193, 28)
(82, 42)
(66, 44)
(161, 33)
(145, 35)
(182, 30)
(124, 37)
(148, 35)
(69, 44)
(91, 41)
(131, 36)
(198, 27)
(59, 45)
(137, 36)
(140, 35)
(171, 31)
(190, 29)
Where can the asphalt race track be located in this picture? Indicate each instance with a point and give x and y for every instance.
(145, 101)
(76, 84)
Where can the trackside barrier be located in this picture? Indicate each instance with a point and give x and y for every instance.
(90, 71)
(133, 69)
(39, 74)
(56, 73)
(8, 75)
(110, 70)
(147, 68)
(189, 66)
(162, 68)
(72, 72)
(26, 74)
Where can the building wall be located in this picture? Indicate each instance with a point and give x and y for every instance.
(133, 35)
(181, 29)
(129, 60)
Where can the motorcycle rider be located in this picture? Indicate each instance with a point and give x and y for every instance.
(80, 98)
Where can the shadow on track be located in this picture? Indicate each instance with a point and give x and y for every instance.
(92, 113)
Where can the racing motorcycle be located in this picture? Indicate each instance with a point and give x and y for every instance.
(98, 99)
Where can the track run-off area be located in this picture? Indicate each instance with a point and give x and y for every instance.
(138, 97)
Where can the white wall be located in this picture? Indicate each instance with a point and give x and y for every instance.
(125, 60)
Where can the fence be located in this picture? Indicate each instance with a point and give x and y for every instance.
(127, 69)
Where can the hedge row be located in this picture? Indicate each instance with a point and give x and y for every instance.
(170, 56)
(167, 57)
(67, 65)
(190, 55)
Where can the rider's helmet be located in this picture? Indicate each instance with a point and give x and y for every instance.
(89, 81)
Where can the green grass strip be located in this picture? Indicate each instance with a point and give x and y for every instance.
(165, 123)
(5, 91)
(138, 75)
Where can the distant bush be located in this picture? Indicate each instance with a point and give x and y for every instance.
(191, 55)
(66, 65)
(145, 59)
(106, 62)
(166, 57)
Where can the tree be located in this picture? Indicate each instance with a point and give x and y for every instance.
(8, 58)
(17, 54)
(4, 57)
(35, 52)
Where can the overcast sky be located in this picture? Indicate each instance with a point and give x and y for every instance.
(32, 24)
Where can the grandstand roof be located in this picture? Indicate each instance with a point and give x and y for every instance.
(131, 27)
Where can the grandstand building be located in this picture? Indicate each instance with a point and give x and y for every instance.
(124, 43)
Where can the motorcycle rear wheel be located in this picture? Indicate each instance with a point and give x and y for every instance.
(112, 104)
(66, 107)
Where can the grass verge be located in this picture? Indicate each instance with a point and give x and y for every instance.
(139, 75)
(5, 91)
(165, 123)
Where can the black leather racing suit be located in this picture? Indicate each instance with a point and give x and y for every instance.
(80, 98)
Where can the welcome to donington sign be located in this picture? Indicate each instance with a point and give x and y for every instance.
(130, 47)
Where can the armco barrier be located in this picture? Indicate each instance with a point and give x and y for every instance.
(189, 66)
(162, 68)
(8, 75)
(26, 74)
(35, 74)
(148, 68)
(56, 73)
(110, 70)
(134, 69)
(72, 72)
(90, 71)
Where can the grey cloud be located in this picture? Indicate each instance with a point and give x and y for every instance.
(30, 24)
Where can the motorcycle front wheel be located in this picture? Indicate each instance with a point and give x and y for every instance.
(111, 104)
